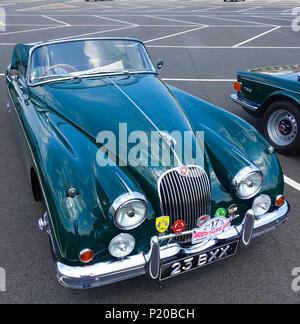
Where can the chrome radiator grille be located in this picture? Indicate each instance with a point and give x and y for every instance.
(185, 197)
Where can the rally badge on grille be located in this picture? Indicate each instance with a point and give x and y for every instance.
(211, 229)
(179, 226)
(162, 223)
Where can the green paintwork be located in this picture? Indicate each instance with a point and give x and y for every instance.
(270, 84)
(61, 121)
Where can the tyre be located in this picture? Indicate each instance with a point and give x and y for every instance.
(282, 126)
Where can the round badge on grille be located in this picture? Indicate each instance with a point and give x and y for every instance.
(202, 220)
(183, 170)
(179, 226)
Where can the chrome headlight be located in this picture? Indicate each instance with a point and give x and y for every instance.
(129, 210)
(261, 205)
(248, 182)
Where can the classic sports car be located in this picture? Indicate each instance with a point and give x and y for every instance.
(87, 110)
(273, 93)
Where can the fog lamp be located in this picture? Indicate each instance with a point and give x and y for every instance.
(261, 205)
(121, 245)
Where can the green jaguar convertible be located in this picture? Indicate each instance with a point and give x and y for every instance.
(137, 177)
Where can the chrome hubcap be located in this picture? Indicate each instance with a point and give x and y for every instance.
(282, 128)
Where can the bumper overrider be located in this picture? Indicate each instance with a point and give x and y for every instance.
(159, 257)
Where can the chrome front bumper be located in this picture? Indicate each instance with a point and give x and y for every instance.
(109, 272)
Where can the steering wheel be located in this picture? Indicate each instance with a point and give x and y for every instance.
(60, 65)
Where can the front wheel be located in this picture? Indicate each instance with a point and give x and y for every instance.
(281, 125)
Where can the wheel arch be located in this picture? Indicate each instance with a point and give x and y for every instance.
(279, 96)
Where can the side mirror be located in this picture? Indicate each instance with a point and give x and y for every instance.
(13, 75)
(160, 64)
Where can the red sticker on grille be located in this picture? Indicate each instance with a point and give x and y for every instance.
(179, 226)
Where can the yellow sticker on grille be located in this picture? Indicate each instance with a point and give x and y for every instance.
(162, 223)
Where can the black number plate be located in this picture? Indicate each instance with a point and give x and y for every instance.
(197, 261)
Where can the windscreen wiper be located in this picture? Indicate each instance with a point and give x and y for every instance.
(57, 77)
(104, 73)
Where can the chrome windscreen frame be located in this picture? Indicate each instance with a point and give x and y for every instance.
(38, 45)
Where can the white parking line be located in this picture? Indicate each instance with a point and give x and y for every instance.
(177, 34)
(236, 20)
(175, 20)
(95, 33)
(273, 18)
(248, 9)
(224, 47)
(115, 20)
(207, 9)
(164, 9)
(292, 183)
(31, 30)
(258, 36)
(58, 21)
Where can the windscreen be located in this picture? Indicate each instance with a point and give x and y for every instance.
(86, 57)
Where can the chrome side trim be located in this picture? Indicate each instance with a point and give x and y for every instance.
(124, 183)
(105, 273)
(49, 216)
(268, 84)
(243, 103)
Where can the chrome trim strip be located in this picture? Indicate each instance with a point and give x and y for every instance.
(148, 118)
(74, 77)
(108, 272)
(35, 165)
(268, 84)
(124, 183)
(243, 103)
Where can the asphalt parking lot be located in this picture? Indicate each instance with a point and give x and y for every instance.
(203, 44)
